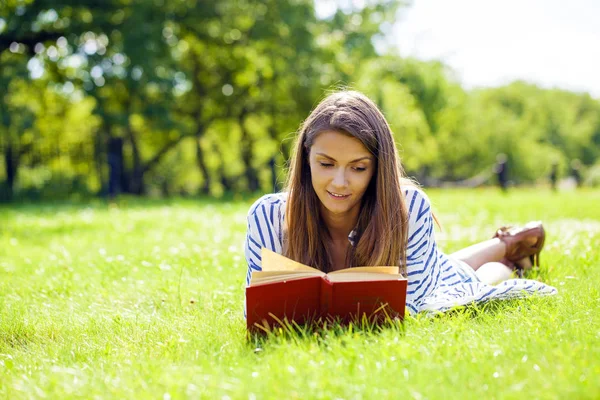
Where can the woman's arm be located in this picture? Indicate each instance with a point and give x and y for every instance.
(423, 268)
(264, 230)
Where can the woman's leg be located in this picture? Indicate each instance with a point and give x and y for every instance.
(492, 250)
(485, 258)
(494, 272)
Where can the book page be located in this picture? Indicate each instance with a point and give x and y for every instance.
(370, 270)
(272, 261)
(262, 277)
(363, 277)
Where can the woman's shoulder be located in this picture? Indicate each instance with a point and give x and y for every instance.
(419, 209)
(415, 197)
(268, 203)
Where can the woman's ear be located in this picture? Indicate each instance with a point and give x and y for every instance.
(307, 158)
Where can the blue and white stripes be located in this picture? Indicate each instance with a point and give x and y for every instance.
(265, 220)
(436, 282)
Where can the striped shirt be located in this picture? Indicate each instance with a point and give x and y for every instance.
(436, 281)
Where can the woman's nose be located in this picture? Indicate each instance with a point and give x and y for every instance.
(339, 179)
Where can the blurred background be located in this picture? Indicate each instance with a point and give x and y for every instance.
(196, 97)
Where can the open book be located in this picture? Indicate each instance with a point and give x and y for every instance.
(286, 289)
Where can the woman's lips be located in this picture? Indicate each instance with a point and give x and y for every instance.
(331, 195)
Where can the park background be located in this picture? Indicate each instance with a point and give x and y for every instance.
(191, 106)
(195, 98)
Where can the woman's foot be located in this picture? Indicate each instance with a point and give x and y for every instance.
(522, 243)
(524, 263)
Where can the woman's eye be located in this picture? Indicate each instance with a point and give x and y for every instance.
(326, 165)
(360, 169)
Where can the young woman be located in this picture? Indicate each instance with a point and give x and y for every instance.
(348, 203)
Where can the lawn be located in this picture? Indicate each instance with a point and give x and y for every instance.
(145, 300)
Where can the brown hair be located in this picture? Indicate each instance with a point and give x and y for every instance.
(382, 226)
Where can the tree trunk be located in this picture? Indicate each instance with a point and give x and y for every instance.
(136, 181)
(101, 140)
(247, 154)
(115, 166)
(273, 161)
(136, 175)
(227, 186)
(225, 182)
(203, 168)
(11, 167)
(273, 167)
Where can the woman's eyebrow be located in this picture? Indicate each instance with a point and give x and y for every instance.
(353, 161)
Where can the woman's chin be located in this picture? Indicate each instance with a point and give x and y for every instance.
(336, 211)
(337, 208)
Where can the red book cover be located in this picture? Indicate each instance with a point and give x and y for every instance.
(288, 290)
(308, 299)
(297, 300)
(371, 298)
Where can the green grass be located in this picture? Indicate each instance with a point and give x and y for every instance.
(145, 301)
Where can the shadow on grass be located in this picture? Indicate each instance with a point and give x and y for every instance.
(320, 330)
(495, 308)
(123, 201)
(20, 334)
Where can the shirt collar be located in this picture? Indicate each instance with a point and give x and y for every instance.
(352, 237)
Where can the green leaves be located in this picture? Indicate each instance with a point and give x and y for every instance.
(164, 76)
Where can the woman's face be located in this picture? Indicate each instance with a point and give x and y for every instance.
(341, 168)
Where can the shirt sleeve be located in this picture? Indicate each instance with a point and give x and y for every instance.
(423, 267)
(264, 230)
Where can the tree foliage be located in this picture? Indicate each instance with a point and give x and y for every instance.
(205, 97)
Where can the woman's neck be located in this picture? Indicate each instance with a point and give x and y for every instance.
(339, 225)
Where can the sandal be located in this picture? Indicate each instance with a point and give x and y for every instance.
(517, 246)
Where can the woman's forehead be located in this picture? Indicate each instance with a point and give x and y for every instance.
(339, 146)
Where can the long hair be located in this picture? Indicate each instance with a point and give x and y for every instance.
(382, 227)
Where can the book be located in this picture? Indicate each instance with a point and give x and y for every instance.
(288, 290)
